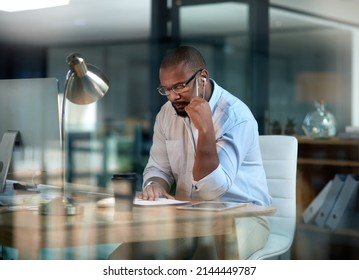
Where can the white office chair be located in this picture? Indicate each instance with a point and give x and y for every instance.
(279, 154)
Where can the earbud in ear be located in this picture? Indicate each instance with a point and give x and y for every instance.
(204, 87)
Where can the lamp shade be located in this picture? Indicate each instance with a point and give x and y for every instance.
(85, 83)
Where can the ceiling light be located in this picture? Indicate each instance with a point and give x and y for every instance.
(24, 5)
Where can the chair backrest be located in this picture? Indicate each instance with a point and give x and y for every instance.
(279, 155)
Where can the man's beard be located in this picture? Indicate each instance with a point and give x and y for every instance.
(181, 113)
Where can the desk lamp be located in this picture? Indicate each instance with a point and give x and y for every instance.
(84, 84)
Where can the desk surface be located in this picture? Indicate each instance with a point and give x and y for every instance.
(30, 232)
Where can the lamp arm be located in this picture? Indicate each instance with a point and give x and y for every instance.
(62, 205)
(63, 142)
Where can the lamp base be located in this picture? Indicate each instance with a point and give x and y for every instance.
(60, 206)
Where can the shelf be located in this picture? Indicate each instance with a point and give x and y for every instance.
(332, 152)
(328, 162)
(347, 232)
(316, 243)
(327, 141)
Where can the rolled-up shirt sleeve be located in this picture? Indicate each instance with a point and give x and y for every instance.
(212, 186)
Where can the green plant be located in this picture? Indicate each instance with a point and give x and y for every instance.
(290, 122)
(276, 127)
(290, 126)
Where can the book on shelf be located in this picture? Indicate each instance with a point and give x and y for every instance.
(348, 135)
(343, 214)
(352, 129)
(314, 207)
(330, 199)
(350, 132)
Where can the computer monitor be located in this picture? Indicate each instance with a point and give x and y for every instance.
(31, 108)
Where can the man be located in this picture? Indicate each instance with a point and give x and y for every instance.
(205, 146)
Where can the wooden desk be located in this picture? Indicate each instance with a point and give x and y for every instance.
(29, 231)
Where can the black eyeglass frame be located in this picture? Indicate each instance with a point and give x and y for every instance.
(178, 87)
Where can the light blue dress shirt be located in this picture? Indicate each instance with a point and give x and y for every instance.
(240, 175)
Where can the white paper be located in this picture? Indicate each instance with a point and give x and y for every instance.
(110, 202)
(160, 201)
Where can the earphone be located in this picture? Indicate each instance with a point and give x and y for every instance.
(204, 87)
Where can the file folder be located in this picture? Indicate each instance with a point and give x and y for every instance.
(312, 210)
(343, 212)
(328, 204)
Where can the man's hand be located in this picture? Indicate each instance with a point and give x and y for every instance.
(200, 114)
(154, 191)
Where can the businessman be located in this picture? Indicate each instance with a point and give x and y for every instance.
(205, 147)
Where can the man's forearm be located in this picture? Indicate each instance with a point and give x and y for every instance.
(206, 156)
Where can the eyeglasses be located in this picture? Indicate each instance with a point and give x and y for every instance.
(179, 88)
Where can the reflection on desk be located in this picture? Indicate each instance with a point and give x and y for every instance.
(30, 232)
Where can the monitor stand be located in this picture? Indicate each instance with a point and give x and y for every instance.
(6, 150)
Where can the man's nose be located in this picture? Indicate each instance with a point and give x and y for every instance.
(173, 95)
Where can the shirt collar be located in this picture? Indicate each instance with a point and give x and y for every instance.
(216, 94)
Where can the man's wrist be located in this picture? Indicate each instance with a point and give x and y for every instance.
(149, 183)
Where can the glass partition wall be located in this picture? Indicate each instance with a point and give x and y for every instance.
(315, 59)
(308, 59)
(111, 135)
(223, 38)
(117, 132)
